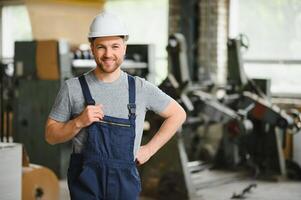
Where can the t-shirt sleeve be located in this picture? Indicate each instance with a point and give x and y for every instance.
(61, 109)
(156, 99)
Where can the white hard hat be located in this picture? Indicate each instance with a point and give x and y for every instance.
(107, 24)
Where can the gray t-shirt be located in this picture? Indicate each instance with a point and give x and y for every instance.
(113, 96)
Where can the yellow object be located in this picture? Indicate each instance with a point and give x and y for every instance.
(47, 60)
(288, 150)
(39, 183)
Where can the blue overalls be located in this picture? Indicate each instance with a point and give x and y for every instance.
(106, 170)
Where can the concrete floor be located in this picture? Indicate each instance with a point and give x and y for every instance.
(64, 192)
(222, 185)
(285, 190)
(281, 190)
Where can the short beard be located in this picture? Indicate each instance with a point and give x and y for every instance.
(110, 70)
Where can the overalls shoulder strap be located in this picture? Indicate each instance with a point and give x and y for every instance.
(85, 88)
(132, 94)
(132, 97)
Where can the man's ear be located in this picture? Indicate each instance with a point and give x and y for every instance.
(92, 47)
(125, 46)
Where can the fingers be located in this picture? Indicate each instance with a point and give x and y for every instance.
(99, 111)
(137, 162)
(95, 112)
(92, 113)
(143, 155)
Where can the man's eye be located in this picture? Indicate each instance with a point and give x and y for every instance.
(115, 47)
(99, 47)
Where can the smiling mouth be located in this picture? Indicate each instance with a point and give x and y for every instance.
(108, 61)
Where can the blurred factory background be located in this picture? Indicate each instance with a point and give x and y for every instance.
(234, 65)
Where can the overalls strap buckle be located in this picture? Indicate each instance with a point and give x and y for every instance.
(132, 108)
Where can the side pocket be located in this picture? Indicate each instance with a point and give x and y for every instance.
(73, 173)
(88, 178)
(75, 168)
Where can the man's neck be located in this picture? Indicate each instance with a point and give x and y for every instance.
(107, 77)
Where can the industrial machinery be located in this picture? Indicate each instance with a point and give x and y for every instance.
(20, 179)
(173, 176)
(40, 68)
(241, 130)
(6, 96)
(261, 149)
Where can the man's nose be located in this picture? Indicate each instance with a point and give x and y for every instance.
(108, 52)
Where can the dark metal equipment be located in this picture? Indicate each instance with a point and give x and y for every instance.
(261, 148)
(6, 97)
(244, 192)
(33, 99)
(31, 108)
(249, 129)
(174, 174)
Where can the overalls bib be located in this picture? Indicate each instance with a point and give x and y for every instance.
(106, 170)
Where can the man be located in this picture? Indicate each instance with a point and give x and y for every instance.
(103, 113)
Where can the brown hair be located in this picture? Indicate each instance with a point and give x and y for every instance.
(93, 38)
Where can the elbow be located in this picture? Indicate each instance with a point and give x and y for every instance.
(183, 115)
(178, 112)
(48, 138)
(50, 135)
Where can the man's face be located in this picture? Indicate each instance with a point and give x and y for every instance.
(108, 52)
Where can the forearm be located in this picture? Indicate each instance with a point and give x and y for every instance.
(57, 132)
(166, 131)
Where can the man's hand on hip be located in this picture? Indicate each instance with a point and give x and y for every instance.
(143, 155)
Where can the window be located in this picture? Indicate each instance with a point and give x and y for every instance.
(274, 32)
(15, 26)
